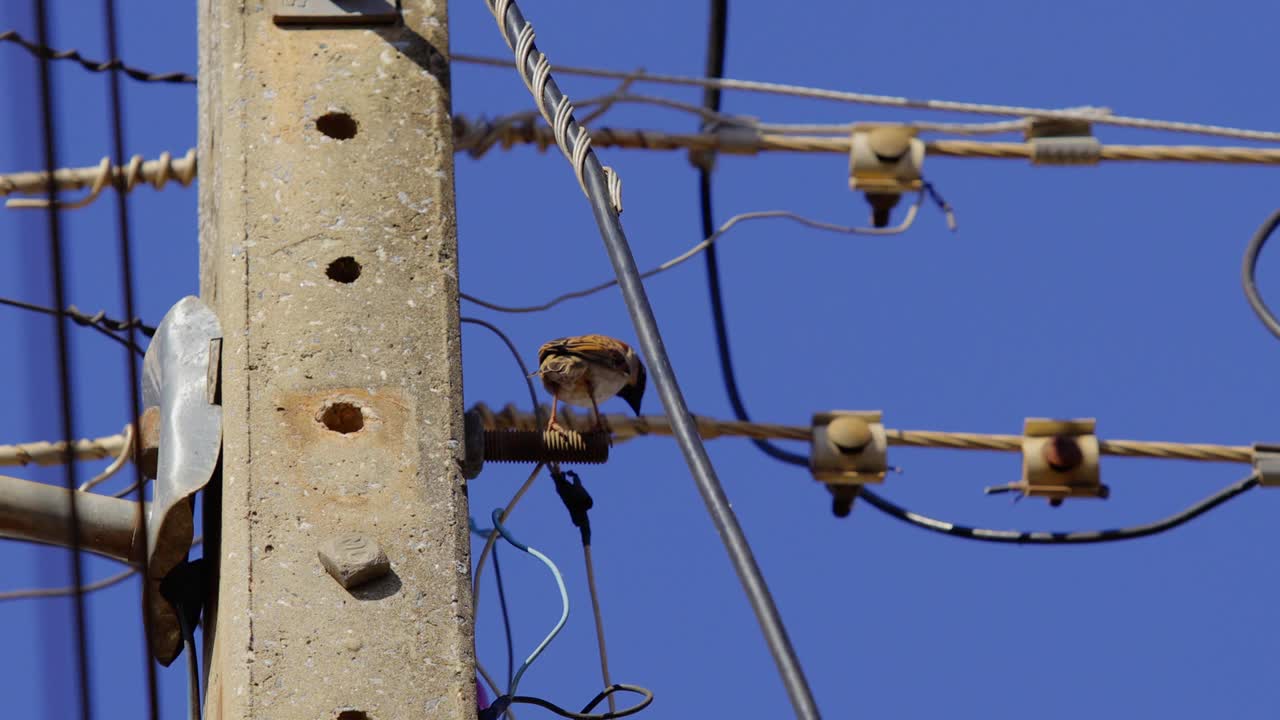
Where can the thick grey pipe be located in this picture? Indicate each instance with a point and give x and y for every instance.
(682, 425)
(41, 513)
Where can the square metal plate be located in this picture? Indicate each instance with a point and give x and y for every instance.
(334, 12)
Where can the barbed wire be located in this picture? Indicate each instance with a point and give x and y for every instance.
(626, 428)
(95, 65)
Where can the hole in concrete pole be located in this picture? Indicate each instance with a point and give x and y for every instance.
(353, 715)
(337, 125)
(344, 270)
(342, 417)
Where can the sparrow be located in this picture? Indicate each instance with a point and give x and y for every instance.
(586, 370)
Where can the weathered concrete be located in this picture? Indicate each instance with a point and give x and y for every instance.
(332, 266)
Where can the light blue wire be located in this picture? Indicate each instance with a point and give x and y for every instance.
(564, 598)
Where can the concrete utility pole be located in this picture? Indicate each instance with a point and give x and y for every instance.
(328, 251)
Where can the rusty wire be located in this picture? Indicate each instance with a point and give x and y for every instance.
(626, 428)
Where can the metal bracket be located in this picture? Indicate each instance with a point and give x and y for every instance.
(884, 162)
(176, 374)
(1062, 141)
(1266, 461)
(333, 12)
(848, 448)
(1060, 460)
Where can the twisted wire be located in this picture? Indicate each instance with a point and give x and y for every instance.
(627, 428)
(156, 173)
(1088, 114)
(477, 136)
(95, 65)
(561, 120)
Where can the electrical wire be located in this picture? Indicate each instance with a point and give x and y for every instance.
(126, 450)
(578, 502)
(43, 51)
(1027, 537)
(603, 195)
(524, 369)
(104, 583)
(506, 617)
(1248, 273)
(705, 246)
(496, 516)
(897, 101)
(502, 601)
(490, 534)
(65, 389)
(598, 615)
(646, 698)
(133, 375)
(493, 536)
(711, 99)
(99, 322)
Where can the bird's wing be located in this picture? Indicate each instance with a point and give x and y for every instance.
(597, 349)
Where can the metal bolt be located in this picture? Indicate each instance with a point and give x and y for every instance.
(1062, 453)
(848, 434)
(473, 439)
(353, 559)
(147, 442)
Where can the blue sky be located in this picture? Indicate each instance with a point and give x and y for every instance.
(1108, 292)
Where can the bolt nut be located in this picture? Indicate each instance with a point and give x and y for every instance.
(848, 434)
(147, 442)
(353, 559)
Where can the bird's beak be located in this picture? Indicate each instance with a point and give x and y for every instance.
(635, 391)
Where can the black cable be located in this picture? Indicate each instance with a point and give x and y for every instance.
(45, 52)
(133, 375)
(524, 369)
(711, 100)
(1249, 271)
(99, 322)
(65, 389)
(1027, 537)
(185, 588)
(500, 704)
(497, 571)
(683, 427)
(506, 617)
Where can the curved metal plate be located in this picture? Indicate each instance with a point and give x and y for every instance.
(174, 378)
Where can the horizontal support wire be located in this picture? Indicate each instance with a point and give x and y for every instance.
(895, 101)
(626, 428)
(478, 136)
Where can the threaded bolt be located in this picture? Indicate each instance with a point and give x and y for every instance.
(546, 446)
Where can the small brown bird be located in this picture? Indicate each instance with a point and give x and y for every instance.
(586, 370)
